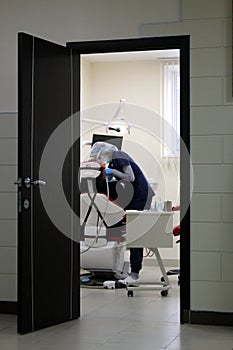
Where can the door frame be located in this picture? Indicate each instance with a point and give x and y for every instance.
(182, 43)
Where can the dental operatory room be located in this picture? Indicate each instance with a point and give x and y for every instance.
(130, 103)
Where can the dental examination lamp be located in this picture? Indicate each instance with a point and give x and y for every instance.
(119, 123)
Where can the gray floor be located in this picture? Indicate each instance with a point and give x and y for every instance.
(110, 320)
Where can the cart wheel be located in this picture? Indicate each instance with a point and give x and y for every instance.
(130, 293)
(164, 293)
(162, 279)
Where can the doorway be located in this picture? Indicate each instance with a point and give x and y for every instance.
(44, 104)
(141, 53)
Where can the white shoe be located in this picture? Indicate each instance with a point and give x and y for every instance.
(120, 276)
(129, 280)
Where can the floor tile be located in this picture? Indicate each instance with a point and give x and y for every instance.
(111, 320)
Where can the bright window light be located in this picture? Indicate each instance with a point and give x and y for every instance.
(170, 108)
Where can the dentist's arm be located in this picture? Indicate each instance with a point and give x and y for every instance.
(126, 174)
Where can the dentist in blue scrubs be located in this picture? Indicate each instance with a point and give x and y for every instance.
(136, 192)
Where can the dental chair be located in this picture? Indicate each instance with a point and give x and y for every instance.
(102, 238)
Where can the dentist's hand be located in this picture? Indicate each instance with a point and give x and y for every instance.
(108, 171)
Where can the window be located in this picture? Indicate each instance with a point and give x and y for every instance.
(170, 108)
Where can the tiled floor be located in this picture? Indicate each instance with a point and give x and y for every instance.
(110, 320)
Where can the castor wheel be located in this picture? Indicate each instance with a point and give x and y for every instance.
(130, 293)
(164, 293)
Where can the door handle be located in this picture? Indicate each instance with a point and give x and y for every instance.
(28, 182)
(38, 182)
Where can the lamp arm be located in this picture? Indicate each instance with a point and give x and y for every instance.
(100, 122)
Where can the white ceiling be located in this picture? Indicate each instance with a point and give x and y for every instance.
(132, 56)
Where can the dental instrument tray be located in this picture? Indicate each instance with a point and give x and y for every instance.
(152, 230)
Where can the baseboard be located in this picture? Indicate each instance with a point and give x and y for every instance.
(211, 318)
(175, 263)
(8, 307)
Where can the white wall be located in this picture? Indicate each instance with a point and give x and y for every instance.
(8, 211)
(209, 25)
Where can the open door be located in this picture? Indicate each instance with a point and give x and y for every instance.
(48, 260)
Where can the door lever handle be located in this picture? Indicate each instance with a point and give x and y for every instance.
(38, 182)
(28, 182)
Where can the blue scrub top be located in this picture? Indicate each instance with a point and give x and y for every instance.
(141, 192)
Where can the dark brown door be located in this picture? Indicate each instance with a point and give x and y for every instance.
(48, 257)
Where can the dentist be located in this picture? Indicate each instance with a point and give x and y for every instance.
(134, 193)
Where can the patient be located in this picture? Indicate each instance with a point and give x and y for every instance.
(136, 193)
